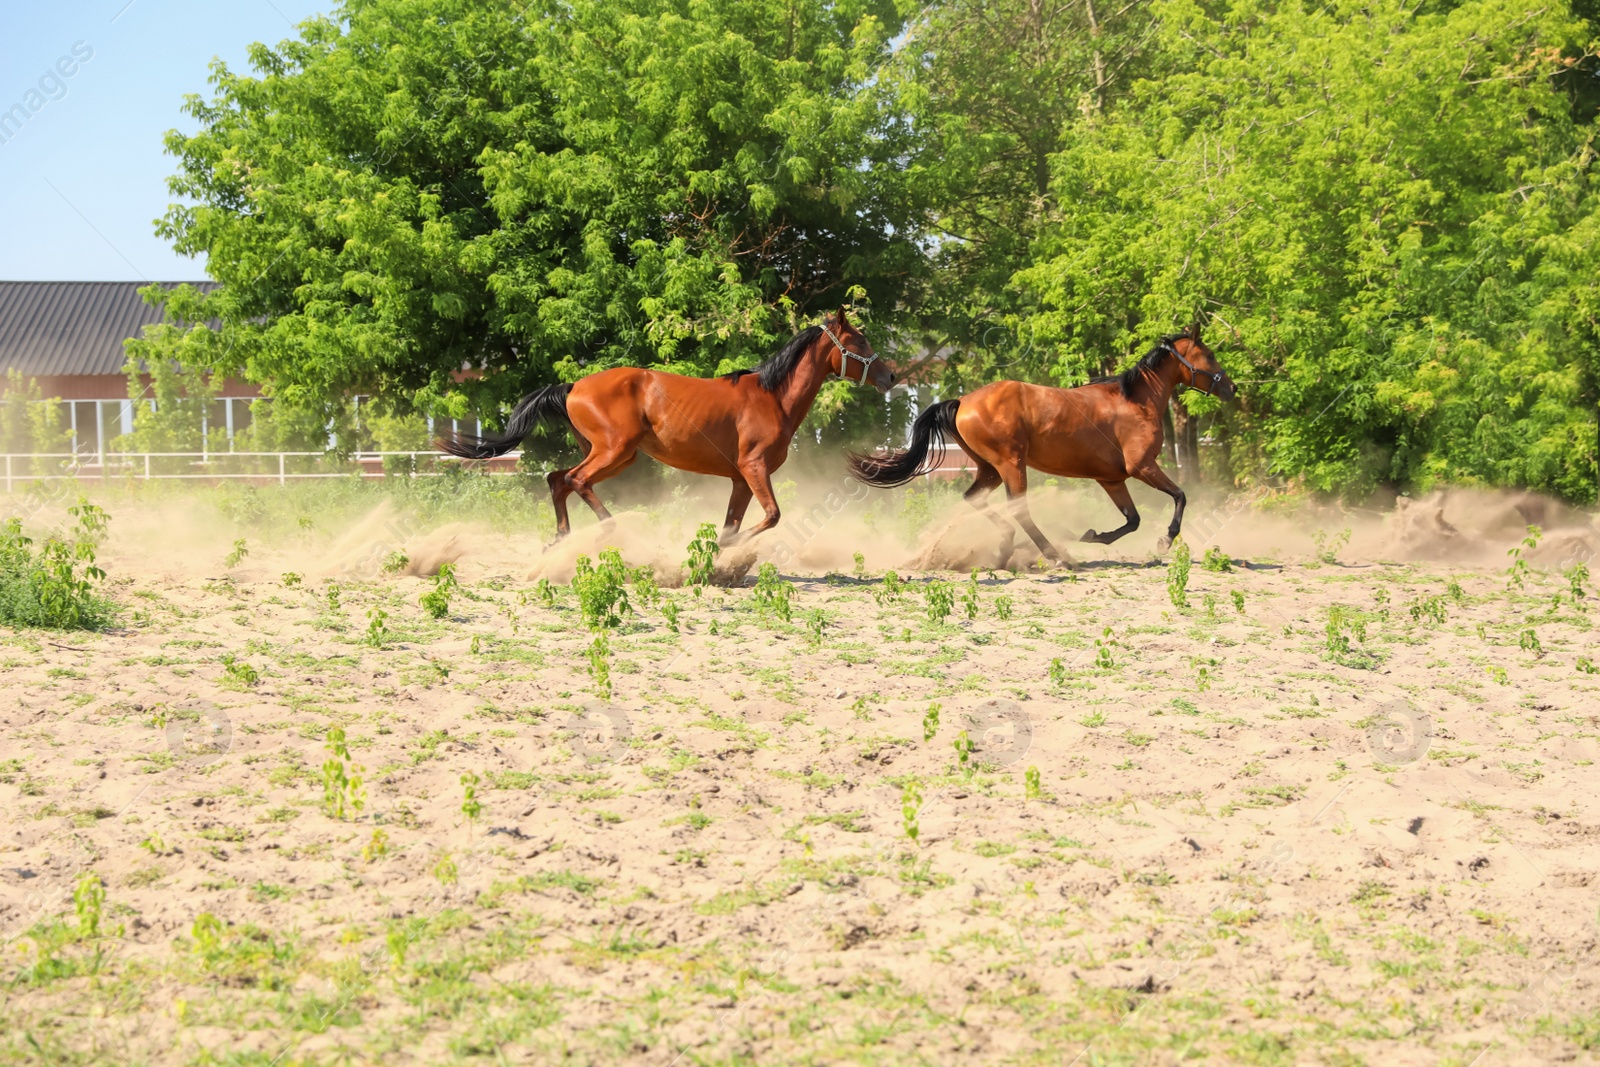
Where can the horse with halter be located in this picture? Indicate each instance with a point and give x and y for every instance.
(1109, 430)
(737, 426)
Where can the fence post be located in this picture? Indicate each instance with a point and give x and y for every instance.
(8, 472)
(281, 479)
(147, 466)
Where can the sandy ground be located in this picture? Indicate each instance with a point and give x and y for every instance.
(1212, 833)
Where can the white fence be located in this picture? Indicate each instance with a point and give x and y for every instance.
(281, 467)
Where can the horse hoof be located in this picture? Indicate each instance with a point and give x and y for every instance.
(1163, 544)
(1089, 536)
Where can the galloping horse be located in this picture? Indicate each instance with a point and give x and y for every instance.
(737, 426)
(1108, 430)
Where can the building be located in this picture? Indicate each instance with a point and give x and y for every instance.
(67, 337)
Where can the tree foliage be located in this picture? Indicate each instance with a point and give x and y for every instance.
(1386, 210)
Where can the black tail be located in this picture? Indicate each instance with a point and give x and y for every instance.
(542, 405)
(897, 466)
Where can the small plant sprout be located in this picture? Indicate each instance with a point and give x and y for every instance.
(1031, 787)
(291, 579)
(1178, 574)
(1428, 610)
(889, 590)
(436, 601)
(1003, 607)
(645, 588)
(89, 901)
(1058, 673)
(930, 722)
(963, 747)
(471, 806)
(236, 557)
(445, 869)
(910, 806)
(544, 592)
(860, 570)
(600, 665)
(376, 848)
(1517, 573)
(1586, 666)
(670, 610)
(816, 620)
(1093, 719)
(1576, 576)
(1238, 600)
(395, 562)
(238, 671)
(772, 593)
(941, 599)
(1103, 656)
(1327, 549)
(342, 792)
(969, 599)
(702, 561)
(602, 595)
(1454, 591)
(377, 631)
(1210, 602)
(1344, 625)
(1216, 561)
(332, 594)
(1528, 641)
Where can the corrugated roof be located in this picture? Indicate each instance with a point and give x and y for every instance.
(49, 328)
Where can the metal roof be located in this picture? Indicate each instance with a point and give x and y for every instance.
(71, 328)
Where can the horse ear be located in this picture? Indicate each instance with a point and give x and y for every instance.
(841, 320)
(1194, 330)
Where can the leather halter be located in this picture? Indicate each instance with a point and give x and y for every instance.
(845, 355)
(1215, 377)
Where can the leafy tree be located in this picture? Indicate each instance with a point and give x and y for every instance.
(1385, 210)
(411, 188)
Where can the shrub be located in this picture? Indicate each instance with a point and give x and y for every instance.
(54, 586)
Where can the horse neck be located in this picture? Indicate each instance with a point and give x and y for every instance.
(800, 391)
(1162, 382)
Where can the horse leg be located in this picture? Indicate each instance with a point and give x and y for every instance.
(597, 466)
(737, 503)
(759, 481)
(1156, 478)
(1016, 481)
(1118, 492)
(987, 481)
(560, 489)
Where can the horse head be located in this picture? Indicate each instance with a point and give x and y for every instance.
(1200, 364)
(852, 357)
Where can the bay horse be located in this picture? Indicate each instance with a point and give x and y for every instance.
(737, 426)
(1109, 431)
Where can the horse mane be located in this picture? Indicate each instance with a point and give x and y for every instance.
(775, 371)
(1129, 380)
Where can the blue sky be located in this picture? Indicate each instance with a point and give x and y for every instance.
(83, 177)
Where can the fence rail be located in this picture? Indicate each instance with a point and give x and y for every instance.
(22, 468)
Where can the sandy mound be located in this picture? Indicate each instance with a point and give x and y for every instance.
(967, 541)
(431, 551)
(632, 533)
(362, 549)
(1460, 525)
(1417, 529)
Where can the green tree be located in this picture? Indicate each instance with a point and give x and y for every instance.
(539, 192)
(1384, 210)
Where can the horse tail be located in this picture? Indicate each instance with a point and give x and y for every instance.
(542, 405)
(897, 466)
